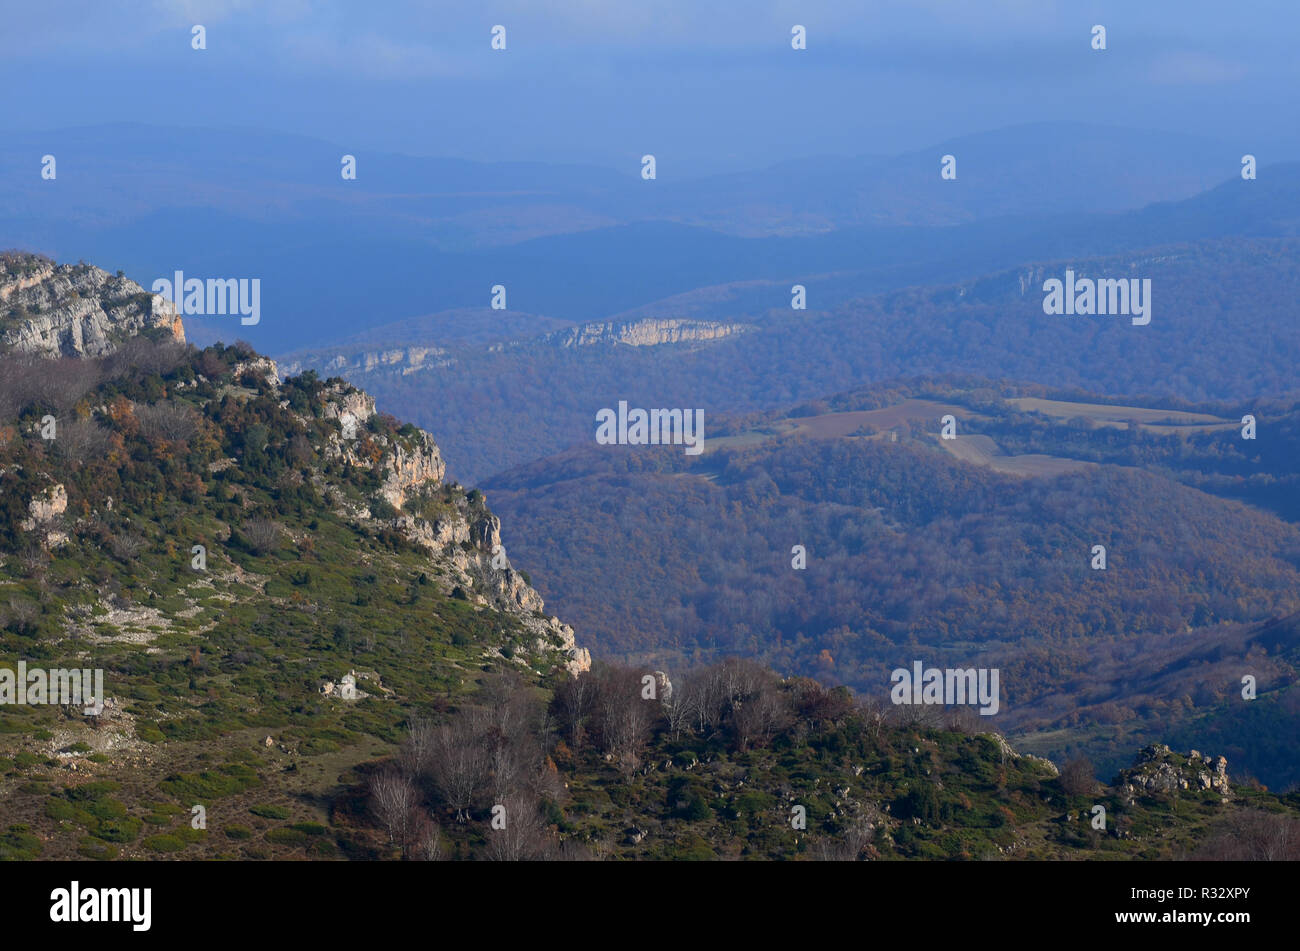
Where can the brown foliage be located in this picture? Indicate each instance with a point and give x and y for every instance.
(1254, 836)
(167, 421)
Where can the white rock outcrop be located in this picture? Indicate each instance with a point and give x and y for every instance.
(75, 310)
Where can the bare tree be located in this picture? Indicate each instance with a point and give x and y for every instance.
(1077, 777)
(262, 535)
(170, 421)
(574, 700)
(741, 676)
(393, 800)
(54, 385)
(417, 750)
(126, 546)
(916, 716)
(874, 716)
(22, 616)
(849, 845)
(680, 708)
(519, 832)
(34, 558)
(962, 719)
(211, 366)
(59, 384)
(1254, 836)
(505, 768)
(624, 718)
(145, 357)
(708, 687)
(426, 837)
(83, 440)
(759, 713)
(299, 450)
(512, 709)
(459, 763)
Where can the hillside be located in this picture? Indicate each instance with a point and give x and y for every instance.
(732, 762)
(971, 551)
(497, 406)
(225, 547)
(313, 646)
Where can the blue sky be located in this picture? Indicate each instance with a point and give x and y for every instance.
(705, 86)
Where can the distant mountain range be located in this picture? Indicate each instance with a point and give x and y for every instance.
(1222, 328)
(414, 235)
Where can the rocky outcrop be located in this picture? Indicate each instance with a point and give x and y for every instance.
(75, 310)
(648, 332)
(1008, 753)
(404, 359)
(65, 310)
(45, 507)
(1159, 770)
(642, 332)
(411, 467)
(44, 511)
(349, 406)
(462, 537)
(263, 367)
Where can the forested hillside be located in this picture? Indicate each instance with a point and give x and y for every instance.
(313, 640)
(981, 547)
(1221, 329)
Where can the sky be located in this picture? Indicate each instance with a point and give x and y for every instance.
(705, 86)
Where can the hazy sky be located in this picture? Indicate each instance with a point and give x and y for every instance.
(706, 86)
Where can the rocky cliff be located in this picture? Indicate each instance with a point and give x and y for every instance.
(74, 310)
(647, 332)
(402, 359)
(80, 311)
(1160, 770)
(405, 360)
(462, 537)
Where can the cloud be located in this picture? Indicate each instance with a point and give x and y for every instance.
(1189, 68)
(373, 56)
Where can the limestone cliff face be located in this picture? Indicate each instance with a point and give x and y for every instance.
(404, 359)
(649, 332)
(62, 310)
(643, 332)
(74, 310)
(462, 537)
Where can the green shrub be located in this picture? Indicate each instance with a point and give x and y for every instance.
(18, 844)
(270, 812)
(163, 843)
(288, 836)
(95, 849)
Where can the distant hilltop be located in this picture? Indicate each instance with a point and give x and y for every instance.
(412, 355)
(646, 332)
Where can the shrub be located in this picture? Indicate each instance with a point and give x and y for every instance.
(261, 535)
(270, 812)
(164, 842)
(96, 849)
